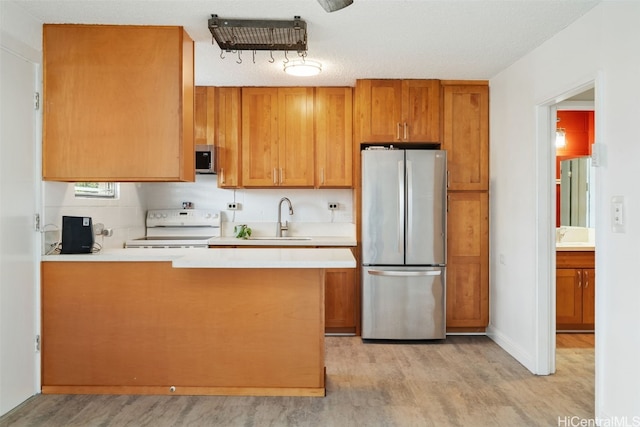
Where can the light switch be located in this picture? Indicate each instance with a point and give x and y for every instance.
(598, 154)
(617, 214)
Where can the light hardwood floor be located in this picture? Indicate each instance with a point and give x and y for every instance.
(462, 381)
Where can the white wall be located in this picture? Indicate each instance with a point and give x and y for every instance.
(602, 46)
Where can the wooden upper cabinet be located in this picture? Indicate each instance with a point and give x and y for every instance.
(468, 260)
(227, 136)
(399, 110)
(259, 136)
(466, 135)
(334, 136)
(277, 137)
(118, 103)
(295, 145)
(204, 115)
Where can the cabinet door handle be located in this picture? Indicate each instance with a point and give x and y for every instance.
(586, 279)
(222, 176)
(322, 176)
(579, 273)
(406, 131)
(281, 176)
(275, 176)
(398, 131)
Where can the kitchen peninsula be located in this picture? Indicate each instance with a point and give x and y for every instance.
(186, 321)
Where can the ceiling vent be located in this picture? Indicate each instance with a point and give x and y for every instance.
(259, 34)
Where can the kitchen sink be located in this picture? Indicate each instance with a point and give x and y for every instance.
(280, 238)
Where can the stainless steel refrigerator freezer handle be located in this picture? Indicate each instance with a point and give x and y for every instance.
(409, 204)
(404, 273)
(400, 204)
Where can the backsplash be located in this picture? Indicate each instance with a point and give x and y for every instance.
(256, 205)
(126, 214)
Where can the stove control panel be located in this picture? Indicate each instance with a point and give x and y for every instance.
(183, 218)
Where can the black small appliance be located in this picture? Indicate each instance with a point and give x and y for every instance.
(77, 235)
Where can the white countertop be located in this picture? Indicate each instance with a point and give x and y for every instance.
(223, 257)
(576, 246)
(268, 258)
(286, 241)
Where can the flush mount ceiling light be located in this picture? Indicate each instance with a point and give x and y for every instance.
(333, 5)
(302, 67)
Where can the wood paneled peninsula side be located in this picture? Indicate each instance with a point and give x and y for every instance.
(187, 321)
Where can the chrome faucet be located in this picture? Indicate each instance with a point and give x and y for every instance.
(280, 228)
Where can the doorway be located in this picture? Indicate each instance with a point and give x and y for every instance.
(575, 275)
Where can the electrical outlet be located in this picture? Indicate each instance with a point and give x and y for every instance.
(98, 228)
(233, 206)
(333, 206)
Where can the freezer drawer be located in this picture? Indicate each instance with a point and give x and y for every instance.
(403, 303)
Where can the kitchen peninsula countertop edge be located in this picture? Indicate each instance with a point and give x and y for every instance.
(222, 257)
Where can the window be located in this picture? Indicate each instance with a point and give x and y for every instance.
(104, 190)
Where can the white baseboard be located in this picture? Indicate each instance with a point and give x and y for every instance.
(517, 352)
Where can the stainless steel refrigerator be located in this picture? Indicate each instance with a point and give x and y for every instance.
(403, 243)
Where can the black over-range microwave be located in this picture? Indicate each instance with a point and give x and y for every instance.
(205, 159)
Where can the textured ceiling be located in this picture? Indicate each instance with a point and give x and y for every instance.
(446, 39)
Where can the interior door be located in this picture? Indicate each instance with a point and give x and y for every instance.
(18, 241)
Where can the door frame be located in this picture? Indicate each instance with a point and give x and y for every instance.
(545, 322)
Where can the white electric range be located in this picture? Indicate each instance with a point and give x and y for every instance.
(178, 228)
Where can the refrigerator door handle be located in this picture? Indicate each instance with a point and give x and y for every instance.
(409, 205)
(400, 206)
(404, 273)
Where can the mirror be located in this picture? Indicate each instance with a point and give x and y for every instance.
(576, 192)
(575, 201)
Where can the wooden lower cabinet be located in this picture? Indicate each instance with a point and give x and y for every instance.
(575, 291)
(341, 301)
(149, 328)
(467, 261)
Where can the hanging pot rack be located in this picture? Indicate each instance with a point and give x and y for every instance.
(236, 35)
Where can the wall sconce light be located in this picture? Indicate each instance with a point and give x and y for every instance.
(561, 138)
(302, 67)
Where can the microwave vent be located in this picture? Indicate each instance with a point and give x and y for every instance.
(259, 34)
